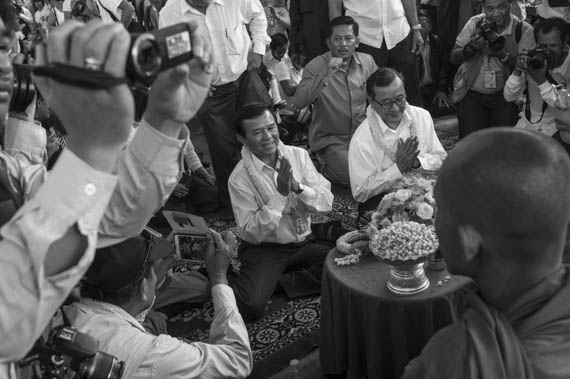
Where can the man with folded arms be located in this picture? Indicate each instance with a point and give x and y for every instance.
(119, 289)
(394, 139)
(274, 190)
(503, 212)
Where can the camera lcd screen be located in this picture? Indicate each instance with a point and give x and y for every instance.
(191, 248)
(178, 44)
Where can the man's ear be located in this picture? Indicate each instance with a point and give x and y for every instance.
(470, 240)
(328, 41)
(357, 41)
(240, 138)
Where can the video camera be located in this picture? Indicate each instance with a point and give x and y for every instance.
(538, 56)
(69, 353)
(489, 32)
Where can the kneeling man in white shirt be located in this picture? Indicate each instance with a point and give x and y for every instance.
(274, 190)
(395, 138)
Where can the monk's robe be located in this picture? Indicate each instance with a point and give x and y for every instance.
(529, 339)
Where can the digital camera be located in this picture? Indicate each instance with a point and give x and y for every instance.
(24, 90)
(156, 51)
(538, 56)
(489, 32)
(69, 353)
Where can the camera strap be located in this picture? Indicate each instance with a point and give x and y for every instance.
(527, 111)
(78, 76)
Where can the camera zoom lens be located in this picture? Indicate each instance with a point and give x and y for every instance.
(146, 56)
(101, 366)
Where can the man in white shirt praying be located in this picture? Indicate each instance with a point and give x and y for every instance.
(394, 139)
(274, 190)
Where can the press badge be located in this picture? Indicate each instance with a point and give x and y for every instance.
(490, 79)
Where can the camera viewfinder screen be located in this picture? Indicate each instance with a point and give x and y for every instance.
(178, 44)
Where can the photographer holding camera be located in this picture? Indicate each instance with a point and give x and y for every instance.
(486, 49)
(49, 244)
(537, 74)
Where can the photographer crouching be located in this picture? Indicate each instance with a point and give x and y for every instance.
(486, 49)
(104, 188)
(538, 76)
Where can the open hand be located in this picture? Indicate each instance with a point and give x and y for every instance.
(155, 323)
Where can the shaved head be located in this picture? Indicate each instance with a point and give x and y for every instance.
(513, 187)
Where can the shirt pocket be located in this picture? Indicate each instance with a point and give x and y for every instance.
(235, 39)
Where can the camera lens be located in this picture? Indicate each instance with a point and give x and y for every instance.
(145, 60)
(101, 366)
(535, 63)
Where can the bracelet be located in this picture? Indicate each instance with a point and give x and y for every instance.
(506, 58)
(417, 27)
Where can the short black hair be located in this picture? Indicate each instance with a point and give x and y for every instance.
(249, 112)
(344, 20)
(546, 25)
(8, 14)
(381, 78)
(277, 40)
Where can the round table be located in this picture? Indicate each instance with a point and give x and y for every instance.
(366, 330)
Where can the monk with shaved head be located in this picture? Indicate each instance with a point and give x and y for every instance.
(503, 198)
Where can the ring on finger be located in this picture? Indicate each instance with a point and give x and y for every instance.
(93, 64)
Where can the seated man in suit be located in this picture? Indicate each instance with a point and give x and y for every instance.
(395, 138)
(274, 189)
(502, 219)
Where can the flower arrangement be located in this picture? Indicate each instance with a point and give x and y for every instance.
(351, 241)
(414, 201)
(404, 241)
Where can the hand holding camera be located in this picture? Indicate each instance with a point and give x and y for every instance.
(219, 256)
(98, 121)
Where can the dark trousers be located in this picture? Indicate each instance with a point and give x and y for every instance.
(314, 33)
(478, 111)
(296, 267)
(217, 117)
(400, 57)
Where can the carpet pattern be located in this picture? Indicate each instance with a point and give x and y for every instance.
(290, 328)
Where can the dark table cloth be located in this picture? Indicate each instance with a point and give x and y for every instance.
(366, 330)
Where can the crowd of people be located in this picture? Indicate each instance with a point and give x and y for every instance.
(86, 161)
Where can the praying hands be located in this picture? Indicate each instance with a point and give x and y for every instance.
(407, 154)
(285, 180)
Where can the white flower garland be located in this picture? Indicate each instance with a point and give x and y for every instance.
(378, 136)
(349, 242)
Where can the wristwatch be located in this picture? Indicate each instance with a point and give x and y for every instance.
(417, 27)
(301, 188)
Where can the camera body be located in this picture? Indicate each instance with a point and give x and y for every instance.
(69, 353)
(491, 36)
(156, 51)
(538, 56)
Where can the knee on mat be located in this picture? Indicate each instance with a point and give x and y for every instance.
(252, 311)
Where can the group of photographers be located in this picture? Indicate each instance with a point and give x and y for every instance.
(510, 73)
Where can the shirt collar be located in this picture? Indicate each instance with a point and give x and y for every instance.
(185, 7)
(405, 121)
(260, 165)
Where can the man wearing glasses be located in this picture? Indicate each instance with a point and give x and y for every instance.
(394, 139)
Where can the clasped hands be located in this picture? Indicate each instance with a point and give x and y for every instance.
(407, 154)
(285, 180)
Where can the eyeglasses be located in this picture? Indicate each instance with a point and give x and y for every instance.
(388, 104)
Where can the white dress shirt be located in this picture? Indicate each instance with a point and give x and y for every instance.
(146, 174)
(227, 353)
(226, 21)
(379, 20)
(371, 170)
(106, 6)
(268, 223)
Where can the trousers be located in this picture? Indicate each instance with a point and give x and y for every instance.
(478, 111)
(297, 267)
